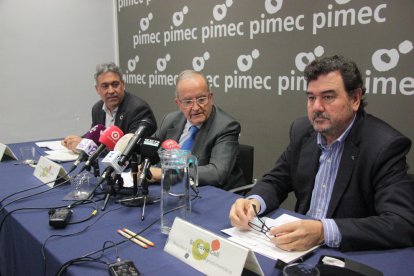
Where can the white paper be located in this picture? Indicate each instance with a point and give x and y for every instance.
(53, 145)
(61, 155)
(127, 177)
(258, 242)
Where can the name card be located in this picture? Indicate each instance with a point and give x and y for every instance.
(6, 152)
(207, 252)
(49, 172)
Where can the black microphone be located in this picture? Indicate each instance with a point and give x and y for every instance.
(144, 129)
(108, 139)
(149, 155)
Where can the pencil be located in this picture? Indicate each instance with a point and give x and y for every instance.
(138, 237)
(129, 237)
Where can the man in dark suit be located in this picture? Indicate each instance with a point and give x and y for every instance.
(347, 169)
(117, 106)
(216, 143)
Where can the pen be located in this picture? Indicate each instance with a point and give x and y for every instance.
(129, 237)
(138, 237)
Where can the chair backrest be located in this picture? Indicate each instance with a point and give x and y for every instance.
(246, 161)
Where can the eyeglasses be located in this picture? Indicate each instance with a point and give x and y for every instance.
(259, 225)
(114, 84)
(187, 103)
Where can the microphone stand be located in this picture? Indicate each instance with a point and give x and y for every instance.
(110, 188)
(140, 196)
(95, 166)
(134, 171)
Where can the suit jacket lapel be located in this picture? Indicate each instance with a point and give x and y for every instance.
(346, 166)
(120, 114)
(175, 131)
(204, 130)
(306, 172)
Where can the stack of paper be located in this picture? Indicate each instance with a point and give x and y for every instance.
(57, 152)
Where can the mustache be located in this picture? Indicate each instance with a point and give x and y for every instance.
(320, 115)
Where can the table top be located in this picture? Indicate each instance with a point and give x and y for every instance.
(25, 232)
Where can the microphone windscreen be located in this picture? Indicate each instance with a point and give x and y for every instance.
(94, 133)
(123, 142)
(170, 144)
(87, 146)
(149, 149)
(110, 136)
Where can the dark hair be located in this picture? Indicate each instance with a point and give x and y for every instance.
(107, 67)
(349, 71)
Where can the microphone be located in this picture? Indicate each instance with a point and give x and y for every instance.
(170, 144)
(144, 128)
(149, 153)
(111, 159)
(108, 139)
(88, 144)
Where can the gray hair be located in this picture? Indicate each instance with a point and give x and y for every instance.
(107, 67)
(187, 74)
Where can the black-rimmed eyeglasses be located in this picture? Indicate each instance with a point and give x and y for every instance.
(259, 225)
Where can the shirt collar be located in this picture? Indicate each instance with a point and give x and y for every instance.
(188, 125)
(107, 111)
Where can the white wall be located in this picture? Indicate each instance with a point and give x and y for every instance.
(48, 53)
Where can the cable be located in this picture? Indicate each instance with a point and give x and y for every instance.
(17, 199)
(26, 208)
(72, 234)
(81, 202)
(87, 257)
(25, 190)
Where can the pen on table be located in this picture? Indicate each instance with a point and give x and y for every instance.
(129, 237)
(138, 237)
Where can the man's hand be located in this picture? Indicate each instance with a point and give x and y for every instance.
(242, 212)
(71, 141)
(298, 235)
(155, 174)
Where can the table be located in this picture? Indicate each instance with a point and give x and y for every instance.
(24, 232)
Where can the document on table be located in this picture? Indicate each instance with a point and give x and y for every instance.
(53, 145)
(258, 242)
(58, 152)
(61, 155)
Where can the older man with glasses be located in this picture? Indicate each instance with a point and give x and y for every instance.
(210, 133)
(117, 106)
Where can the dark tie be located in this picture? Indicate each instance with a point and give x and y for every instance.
(188, 144)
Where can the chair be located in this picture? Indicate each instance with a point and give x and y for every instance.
(246, 162)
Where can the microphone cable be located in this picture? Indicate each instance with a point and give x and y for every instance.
(24, 197)
(32, 188)
(71, 235)
(71, 206)
(87, 257)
